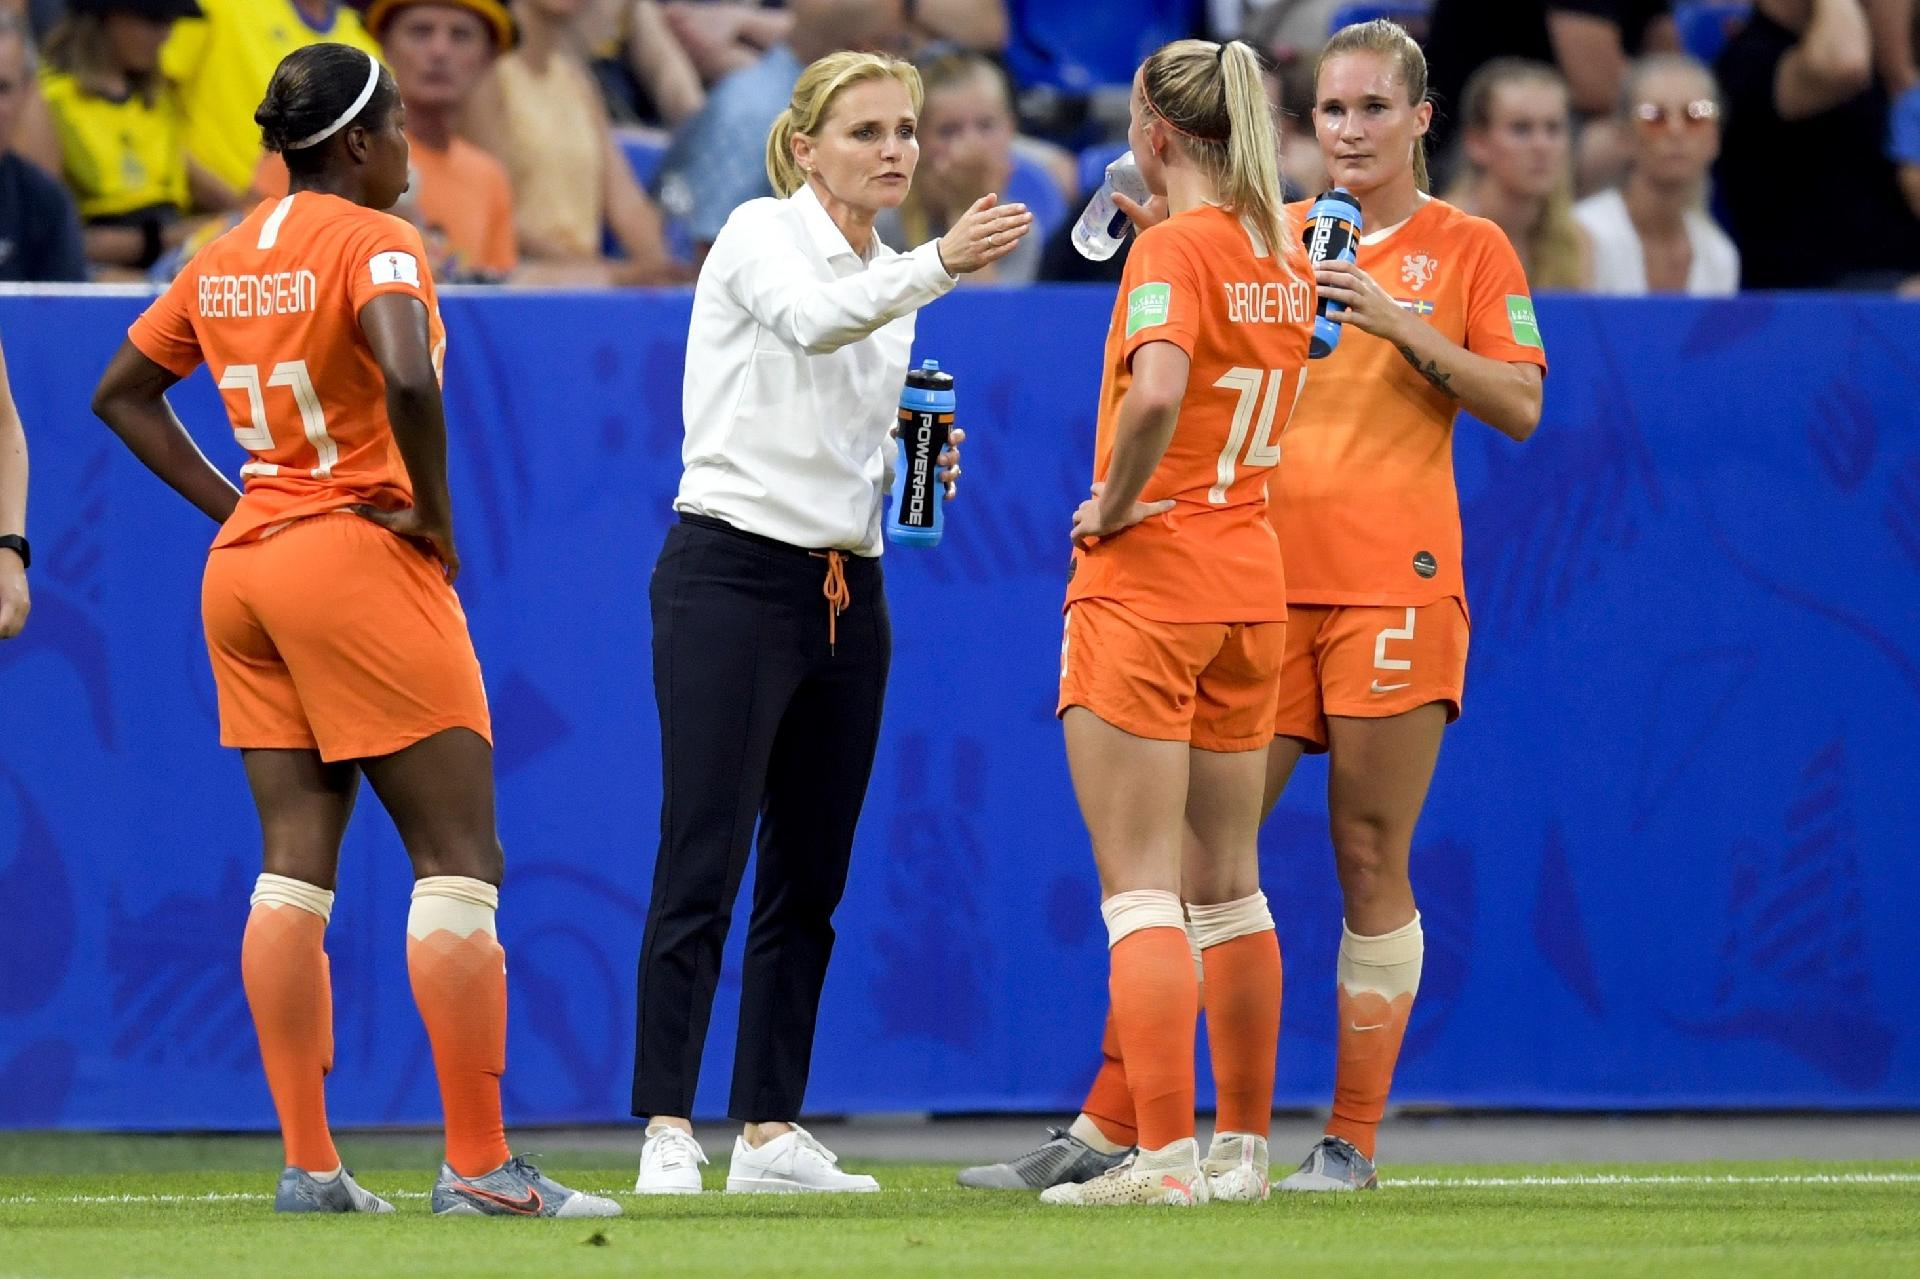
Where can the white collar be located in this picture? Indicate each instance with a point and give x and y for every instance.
(825, 232)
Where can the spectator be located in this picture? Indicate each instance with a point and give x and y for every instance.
(725, 36)
(966, 150)
(39, 233)
(715, 163)
(221, 63)
(1590, 41)
(122, 133)
(1803, 98)
(644, 72)
(975, 26)
(438, 50)
(1653, 235)
(539, 112)
(1517, 147)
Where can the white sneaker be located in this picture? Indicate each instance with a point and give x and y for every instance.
(669, 1162)
(1170, 1175)
(1236, 1168)
(791, 1164)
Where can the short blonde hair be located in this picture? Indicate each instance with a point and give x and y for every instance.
(813, 96)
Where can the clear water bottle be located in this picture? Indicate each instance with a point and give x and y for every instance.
(1102, 226)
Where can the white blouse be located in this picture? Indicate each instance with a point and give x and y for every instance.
(796, 356)
(1620, 266)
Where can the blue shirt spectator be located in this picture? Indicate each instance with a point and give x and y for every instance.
(718, 159)
(39, 230)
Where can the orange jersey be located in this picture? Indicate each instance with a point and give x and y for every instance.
(273, 308)
(1244, 323)
(1365, 503)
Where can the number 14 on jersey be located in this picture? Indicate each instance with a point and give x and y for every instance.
(1263, 450)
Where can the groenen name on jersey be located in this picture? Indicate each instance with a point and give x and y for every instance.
(1268, 301)
(248, 297)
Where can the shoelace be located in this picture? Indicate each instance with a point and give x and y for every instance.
(804, 1139)
(838, 598)
(680, 1146)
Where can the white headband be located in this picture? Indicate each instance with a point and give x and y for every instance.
(359, 105)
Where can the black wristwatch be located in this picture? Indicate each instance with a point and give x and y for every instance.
(18, 545)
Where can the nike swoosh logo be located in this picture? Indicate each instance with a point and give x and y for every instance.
(1378, 687)
(1361, 1030)
(529, 1206)
(1171, 1182)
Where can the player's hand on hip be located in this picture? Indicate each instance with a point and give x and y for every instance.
(984, 234)
(15, 600)
(436, 536)
(1369, 307)
(1093, 521)
(1143, 216)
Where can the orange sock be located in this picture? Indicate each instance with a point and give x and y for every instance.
(459, 976)
(1378, 978)
(1243, 1029)
(1156, 998)
(1109, 1105)
(283, 965)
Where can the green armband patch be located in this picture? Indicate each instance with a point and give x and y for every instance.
(1526, 330)
(1147, 306)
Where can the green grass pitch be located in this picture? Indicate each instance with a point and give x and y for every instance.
(78, 1205)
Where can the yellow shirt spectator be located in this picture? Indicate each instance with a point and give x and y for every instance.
(221, 65)
(117, 156)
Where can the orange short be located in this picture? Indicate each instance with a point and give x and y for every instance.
(335, 635)
(1209, 684)
(1369, 662)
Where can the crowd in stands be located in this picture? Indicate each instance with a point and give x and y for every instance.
(1626, 146)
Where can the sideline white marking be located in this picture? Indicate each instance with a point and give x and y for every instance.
(1411, 1183)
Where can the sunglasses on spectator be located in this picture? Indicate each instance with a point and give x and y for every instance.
(1654, 116)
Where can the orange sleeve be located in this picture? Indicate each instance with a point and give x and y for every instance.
(387, 255)
(1162, 293)
(1501, 324)
(164, 332)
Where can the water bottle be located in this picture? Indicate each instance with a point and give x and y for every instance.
(1102, 225)
(926, 415)
(1332, 235)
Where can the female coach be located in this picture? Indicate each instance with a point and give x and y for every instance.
(770, 633)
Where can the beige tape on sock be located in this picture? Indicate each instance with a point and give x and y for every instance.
(1128, 913)
(278, 890)
(453, 903)
(1223, 921)
(1389, 964)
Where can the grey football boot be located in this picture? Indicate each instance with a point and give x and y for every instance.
(515, 1189)
(300, 1191)
(1333, 1164)
(1063, 1159)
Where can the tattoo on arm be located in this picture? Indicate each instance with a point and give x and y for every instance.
(1431, 371)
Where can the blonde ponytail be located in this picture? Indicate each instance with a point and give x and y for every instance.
(813, 96)
(1213, 97)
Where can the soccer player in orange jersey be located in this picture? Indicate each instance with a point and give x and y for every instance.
(1369, 523)
(1176, 621)
(338, 645)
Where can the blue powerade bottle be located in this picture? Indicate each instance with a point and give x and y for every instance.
(926, 415)
(1332, 235)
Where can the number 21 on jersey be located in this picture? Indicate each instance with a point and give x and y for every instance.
(1262, 450)
(258, 438)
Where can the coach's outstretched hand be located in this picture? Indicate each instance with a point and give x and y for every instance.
(984, 234)
(415, 527)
